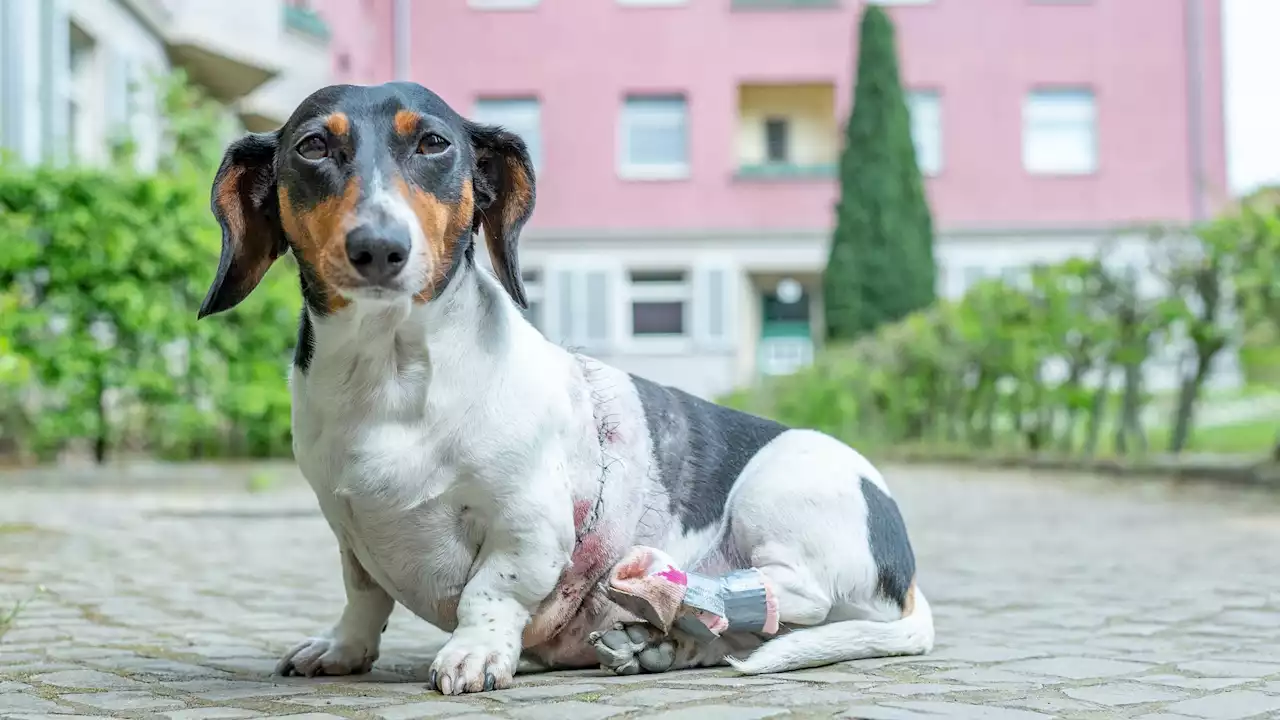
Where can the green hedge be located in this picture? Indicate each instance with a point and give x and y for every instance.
(101, 273)
(1018, 365)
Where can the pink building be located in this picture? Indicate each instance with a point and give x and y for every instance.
(686, 148)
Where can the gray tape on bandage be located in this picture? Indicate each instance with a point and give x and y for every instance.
(744, 600)
(704, 593)
(738, 597)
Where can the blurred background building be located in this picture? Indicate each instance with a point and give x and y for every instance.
(686, 149)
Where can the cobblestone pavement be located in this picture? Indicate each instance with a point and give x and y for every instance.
(1054, 597)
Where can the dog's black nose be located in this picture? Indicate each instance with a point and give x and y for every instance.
(378, 253)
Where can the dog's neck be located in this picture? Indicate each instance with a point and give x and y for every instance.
(371, 349)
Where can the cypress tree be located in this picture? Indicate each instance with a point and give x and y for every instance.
(881, 265)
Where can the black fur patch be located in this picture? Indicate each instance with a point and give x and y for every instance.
(890, 546)
(699, 449)
(306, 346)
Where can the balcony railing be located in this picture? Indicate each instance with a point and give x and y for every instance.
(306, 21)
(787, 171)
(785, 4)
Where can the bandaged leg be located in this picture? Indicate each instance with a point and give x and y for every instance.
(648, 583)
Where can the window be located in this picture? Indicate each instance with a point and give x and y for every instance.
(777, 140)
(80, 62)
(654, 143)
(533, 292)
(659, 302)
(926, 129)
(522, 116)
(1059, 132)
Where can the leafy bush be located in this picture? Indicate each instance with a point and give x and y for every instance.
(1053, 360)
(101, 273)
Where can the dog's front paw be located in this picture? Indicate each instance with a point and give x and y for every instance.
(629, 648)
(327, 656)
(473, 662)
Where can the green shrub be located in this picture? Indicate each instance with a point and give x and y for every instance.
(101, 274)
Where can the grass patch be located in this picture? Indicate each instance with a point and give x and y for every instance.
(1256, 437)
(18, 528)
(9, 617)
(260, 481)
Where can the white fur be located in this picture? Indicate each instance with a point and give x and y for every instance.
(447, 446)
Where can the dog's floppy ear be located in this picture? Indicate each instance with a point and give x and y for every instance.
(245, 203)
(504, 185)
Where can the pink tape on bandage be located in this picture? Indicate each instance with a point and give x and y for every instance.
(648, 583)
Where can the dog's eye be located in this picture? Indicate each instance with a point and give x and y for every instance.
(432, 144)
(313, 148)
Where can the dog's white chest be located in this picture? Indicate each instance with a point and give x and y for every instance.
(387, 480)
(398, 509)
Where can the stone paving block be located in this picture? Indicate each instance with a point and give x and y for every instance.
(1228, 705)
(22, 702)
(1075, 668)
(209, 713)
(755, 683)
(982, 676)
(125, 700)
(657, 697)
(86, 679)
(1231, 668)
(10, 686)
(826, 677)
(873, 712)
(571, 710)
(1192, 683)
(344, 701)
(52, 717)
(797, 697)
(429, 709)
(312, 716)
(1126, 694)
(540, 692)
(912, 689)
(985, 653)
(719, 712)
(1051, 705)
(965, 711)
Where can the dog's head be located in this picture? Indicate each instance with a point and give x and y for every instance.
(377, 191)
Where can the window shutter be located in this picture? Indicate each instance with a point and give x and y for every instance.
(715, 299)
(561, 310)
(596, 309)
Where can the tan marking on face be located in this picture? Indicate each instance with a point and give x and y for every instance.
(338, 123)
(320, 235)
(909, 602)
(406, 121)
(229, 201)
(442, 226)
(520, 193)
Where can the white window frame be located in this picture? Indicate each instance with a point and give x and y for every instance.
(680, 291)
(1035, 133)
(629, 170)
(527, 110)
(535, 292)
(925, 105)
